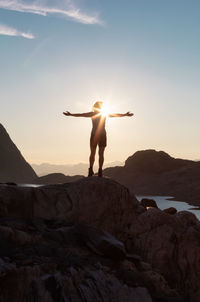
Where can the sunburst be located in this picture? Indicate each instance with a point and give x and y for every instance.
(105, 111)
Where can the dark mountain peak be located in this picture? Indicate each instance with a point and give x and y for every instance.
(3, 131)
(152, 161)
(1, 127)
(13, 166)
(149, 154)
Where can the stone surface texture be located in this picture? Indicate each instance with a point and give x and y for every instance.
(91, 240)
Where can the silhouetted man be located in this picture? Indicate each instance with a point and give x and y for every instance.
(98, 134)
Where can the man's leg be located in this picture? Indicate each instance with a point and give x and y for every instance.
(101, 160)
(92, 159)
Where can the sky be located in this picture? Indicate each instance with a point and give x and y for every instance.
(134, 55)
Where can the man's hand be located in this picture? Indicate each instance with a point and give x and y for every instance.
(129, 113)
(67, 113)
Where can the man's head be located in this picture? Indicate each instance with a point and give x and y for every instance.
(97, 106)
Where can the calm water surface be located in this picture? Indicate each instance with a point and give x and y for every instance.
(164, 203)
(29, 185)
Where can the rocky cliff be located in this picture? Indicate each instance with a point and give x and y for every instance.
(91, 240)
(150, 172)
(13, 167)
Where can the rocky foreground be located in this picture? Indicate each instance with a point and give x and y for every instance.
(91, 240)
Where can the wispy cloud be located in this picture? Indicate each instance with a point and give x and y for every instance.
(10, 31)
(42, 8)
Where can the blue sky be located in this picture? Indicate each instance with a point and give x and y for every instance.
(141, 56)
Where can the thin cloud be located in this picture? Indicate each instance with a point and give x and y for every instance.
(9, 31)
(36, 7)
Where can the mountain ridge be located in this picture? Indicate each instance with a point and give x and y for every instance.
(67, 169)
(151, 172)
(13, 166)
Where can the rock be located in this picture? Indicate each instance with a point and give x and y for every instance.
(14, 168)
(85, 285)
(101, 242)
(170, 211)
(5, 268)
(97, 201)
(67, 243)
(133, 257)
(18, 237)
(157, 284)
(67, 270)
(187, 219)
(148, 203)
(144, 266)
(171, 244)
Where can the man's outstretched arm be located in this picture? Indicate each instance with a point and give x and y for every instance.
(120, 114)
(86, 114)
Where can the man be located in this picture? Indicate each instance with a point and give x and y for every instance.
(98, 134)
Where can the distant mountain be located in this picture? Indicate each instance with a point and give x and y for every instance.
(151, 161)
(56, 178)
(13, 166)
(76, 169)
(151, 172)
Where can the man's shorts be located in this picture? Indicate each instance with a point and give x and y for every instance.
(98, 139)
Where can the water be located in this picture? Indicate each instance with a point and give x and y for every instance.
(163, 202)
(30, 185)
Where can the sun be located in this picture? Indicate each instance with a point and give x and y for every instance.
(105, 111)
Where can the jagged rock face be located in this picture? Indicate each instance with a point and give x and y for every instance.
(44, 261)
(171, 243)
(40, 244)
(97, 201)
(13, 167)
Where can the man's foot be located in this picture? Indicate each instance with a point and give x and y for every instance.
(100, 173)
(90, 172)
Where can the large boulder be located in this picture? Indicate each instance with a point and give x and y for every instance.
(97, 201)
(171, 244)
(13, 166)
(148, 203)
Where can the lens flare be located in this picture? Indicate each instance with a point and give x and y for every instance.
(105, 111)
